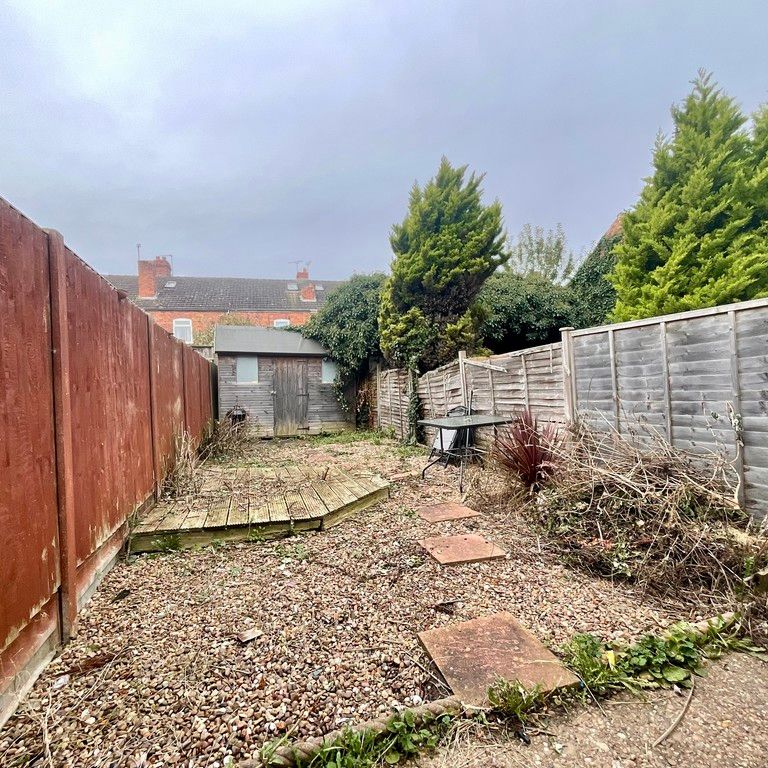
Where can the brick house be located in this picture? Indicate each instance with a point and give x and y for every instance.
(189, 307)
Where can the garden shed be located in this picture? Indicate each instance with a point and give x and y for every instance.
(283, 381)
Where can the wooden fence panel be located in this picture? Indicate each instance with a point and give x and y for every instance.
(751, 332)
(500, 384)
(393, 401)
(111, 426)
(168, 393)
(29, 579)
(78, 413)
(698, 379)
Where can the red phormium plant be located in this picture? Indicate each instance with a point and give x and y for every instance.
(528, 452)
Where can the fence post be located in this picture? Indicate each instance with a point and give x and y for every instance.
(432, 410)
(378, 395)
(737, 418)
(526, 393)
(184, 387)
(463, 377)
(665, 381)
(153, 426)
(569, 378)
(614, 380)
(62, 404)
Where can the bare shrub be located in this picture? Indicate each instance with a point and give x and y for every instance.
(183, 478)
(651, 514)
(228, 441)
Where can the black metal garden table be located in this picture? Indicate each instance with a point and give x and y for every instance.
(464, 450)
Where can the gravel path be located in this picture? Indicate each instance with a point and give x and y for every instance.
(158, 677)
(724, 727)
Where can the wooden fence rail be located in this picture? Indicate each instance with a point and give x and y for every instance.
(92, 397)
(699, 379)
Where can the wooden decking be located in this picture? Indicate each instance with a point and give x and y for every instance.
(256, 502)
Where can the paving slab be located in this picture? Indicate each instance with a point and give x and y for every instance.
(468, 548)
(438, 513)
(472, 655)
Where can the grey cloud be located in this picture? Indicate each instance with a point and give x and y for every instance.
(283, 138)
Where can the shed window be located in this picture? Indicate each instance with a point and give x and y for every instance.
(329, 372)
(282, 322)
(247, 369)
(182, 329)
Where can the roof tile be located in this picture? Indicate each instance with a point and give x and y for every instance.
(225, 294)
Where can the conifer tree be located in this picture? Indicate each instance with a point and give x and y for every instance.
(696, 237)
(445, 249)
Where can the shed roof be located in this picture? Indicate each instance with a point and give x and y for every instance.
(250, 339)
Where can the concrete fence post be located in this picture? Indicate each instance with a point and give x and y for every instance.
(62, 405)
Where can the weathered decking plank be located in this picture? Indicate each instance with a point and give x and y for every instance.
(318, 497)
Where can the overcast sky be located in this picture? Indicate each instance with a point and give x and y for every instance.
(239, 135)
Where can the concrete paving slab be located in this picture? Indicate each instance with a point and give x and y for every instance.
(438, 513)
(468, 548)
(472, 655)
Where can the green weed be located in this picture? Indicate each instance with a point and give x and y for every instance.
(513, 700)
(351, 436)
(408, 451)
(654, 661)
(403, 738)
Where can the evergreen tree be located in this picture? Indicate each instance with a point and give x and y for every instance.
(445, 249)
(541, 252)
(523, 310)
(592, 294)
(347, 324)
(697, 237)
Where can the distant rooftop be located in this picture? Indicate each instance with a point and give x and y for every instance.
(227, 294)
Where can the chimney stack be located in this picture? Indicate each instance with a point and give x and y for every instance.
(150, 270)
(302, 274)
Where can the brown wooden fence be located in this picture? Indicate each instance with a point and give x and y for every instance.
(92, 397)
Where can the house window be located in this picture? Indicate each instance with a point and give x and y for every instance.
(329, 372)
(247, 369)
(282, 322)
(182, 329)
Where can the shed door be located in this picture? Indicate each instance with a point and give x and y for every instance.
(291, 396)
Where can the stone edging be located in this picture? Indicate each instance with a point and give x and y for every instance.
(286, 755)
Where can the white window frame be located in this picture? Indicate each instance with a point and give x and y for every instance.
(185, 323)
(327, 361)
(281, 322)
(255, 360)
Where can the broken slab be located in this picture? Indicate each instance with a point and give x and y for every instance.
(472, 655)
(439, 513)
(468, 548)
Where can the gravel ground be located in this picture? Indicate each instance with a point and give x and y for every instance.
(724, 727)
(157, 676)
